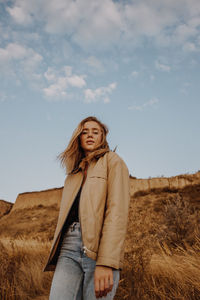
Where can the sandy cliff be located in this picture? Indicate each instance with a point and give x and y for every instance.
(5, 207)
(53, 196)
(46, 198)
(175, 182)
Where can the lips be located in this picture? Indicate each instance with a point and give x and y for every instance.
(90, 142)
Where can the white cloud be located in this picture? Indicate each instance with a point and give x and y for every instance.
(99, 93)
(14, 51)
(18, 61)
(62, 83)
(106, 100)
(101, 26)
(67, 70)
(49, 74)
(141, 107)
(76, 81)
(134, 74)
(95, 63)
(32, 61)
(162, 67)
(184, 31)
(190, 47)
(146, 18)
(103, 23)
(19, 14)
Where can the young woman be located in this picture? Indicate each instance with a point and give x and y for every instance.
(88, 247)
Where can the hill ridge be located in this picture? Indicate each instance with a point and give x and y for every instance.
(52, 196)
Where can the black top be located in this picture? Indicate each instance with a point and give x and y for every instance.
(72, 217)
(73, 214)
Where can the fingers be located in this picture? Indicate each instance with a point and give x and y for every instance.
(106, 286)
(103, 281)
(102, 291)
(102, 288)
(97, 288)
(111, 282)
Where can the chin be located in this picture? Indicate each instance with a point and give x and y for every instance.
(90, 148)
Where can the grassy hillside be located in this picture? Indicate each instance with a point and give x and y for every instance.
(5, 207)
(30, 223)
(162, 248)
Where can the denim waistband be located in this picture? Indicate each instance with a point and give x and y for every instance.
(74, 226)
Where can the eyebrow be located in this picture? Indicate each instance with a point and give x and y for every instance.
(91, 128)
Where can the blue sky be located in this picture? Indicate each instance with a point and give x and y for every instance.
(133, 64)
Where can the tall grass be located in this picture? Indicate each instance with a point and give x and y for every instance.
(162, 256)
(176, 276)
(21, 275)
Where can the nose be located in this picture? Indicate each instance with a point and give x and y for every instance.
(90, 134)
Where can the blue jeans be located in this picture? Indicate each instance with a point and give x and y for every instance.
(74, 274)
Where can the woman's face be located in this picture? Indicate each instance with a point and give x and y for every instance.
(91, 136)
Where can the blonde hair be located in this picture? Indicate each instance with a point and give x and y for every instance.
(71, 157)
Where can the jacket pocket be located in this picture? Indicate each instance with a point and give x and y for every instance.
(101, 175)
(98, 176)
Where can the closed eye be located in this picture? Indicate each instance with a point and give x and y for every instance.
(94, 132)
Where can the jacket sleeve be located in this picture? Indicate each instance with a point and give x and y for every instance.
(111, 247)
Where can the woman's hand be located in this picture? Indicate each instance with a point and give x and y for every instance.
(103, 280)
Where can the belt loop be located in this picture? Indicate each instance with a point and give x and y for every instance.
(73, 226)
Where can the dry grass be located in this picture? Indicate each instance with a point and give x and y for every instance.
(21, 270)
(162, 249)
(179, 271)
(30, 223)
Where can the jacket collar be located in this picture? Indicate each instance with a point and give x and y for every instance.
(83, 162)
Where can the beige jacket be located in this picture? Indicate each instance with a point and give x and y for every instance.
(103, 210)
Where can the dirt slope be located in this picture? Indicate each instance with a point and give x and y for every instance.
(5, 207)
